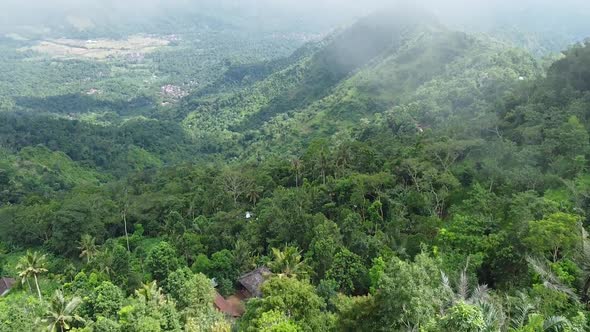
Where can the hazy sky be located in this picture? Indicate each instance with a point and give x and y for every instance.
(438, 4)
(461, 7)
(27, 11)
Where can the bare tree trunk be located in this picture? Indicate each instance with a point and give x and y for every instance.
(585, 297)
(124, 215)
(38, 289)
(126, 233)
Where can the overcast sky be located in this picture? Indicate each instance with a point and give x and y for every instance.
(452, 4)
(460, 7)
(27, 11)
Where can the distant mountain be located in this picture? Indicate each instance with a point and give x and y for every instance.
(110, 18)
(385, 60)
(540, 26)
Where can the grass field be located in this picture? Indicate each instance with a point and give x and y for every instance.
(99, 48)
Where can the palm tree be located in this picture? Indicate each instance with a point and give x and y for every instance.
(288, 263)
(32, 265)
(60, 313)
(463, 293)
(524, 317)
(581, 257)
(494, 316)
(254, 194)
(88, 247)
(522, 313)
(244, 256)
(550, 280)
(104, 262)
(150, 293)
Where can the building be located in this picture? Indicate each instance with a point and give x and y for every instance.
(5, 285)
(251, 282)
(249, 286)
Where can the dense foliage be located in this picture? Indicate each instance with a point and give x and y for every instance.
(428, 181)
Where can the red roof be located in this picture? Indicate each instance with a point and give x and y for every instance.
(228, 308)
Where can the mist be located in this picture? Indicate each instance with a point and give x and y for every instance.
(540, 16)
(464, 8)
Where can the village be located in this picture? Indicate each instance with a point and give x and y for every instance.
(249, 286)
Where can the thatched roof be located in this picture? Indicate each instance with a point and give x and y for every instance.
(252, 281)
(6, 285)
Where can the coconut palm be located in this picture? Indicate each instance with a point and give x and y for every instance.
(32, 265)
(288, 263)
(104, 262)
(60, 314)
(150, 293)
(88, 247)
(244, 256)
(253, 194)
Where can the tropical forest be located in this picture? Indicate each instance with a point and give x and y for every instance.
(294, 166)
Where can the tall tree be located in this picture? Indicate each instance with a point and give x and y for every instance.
(161, 261)
(88, 247)
(556, 235)
(288, 263)
(32, 265)
(236, 184)
(297, 166)
(124, 212)
(61, 313)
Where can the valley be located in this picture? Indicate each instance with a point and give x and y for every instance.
(221, 166)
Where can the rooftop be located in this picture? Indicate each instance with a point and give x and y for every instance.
(5, 285)
(252, 281)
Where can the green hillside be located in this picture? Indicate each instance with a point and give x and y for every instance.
(405, 62)
(36, 172)
(396, 175)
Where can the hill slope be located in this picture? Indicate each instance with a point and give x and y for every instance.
(385, 60)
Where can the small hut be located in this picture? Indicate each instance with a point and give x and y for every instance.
(251, 282)
(5, 285)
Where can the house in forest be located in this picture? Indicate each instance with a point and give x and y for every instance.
(251, 282)
(5, 285)
(249, 286)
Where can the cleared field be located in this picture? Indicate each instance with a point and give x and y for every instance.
(134, 46)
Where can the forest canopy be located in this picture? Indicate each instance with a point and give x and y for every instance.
(391, 174)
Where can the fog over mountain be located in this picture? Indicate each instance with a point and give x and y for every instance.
(294, 165)
(334, 11)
